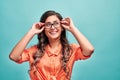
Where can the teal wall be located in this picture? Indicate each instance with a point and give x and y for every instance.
(98, 20)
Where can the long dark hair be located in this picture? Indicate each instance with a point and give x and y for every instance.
(43, 41)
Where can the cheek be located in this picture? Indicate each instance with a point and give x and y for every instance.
(61, 29)
(46, 33)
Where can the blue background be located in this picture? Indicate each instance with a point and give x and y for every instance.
(98, 20)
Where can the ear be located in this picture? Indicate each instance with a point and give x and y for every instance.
(63, 29)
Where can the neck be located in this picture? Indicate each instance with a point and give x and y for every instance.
(54, 43)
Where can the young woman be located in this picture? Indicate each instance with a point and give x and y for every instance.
(53, 57)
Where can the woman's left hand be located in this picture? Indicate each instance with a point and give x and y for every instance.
(67, 23)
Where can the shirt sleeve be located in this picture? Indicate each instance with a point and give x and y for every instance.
(27, 54)
(78, 53)
(24, 56)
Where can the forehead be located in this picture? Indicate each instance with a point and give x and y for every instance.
(52, 18)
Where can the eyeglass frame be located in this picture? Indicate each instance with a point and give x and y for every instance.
(49, 24)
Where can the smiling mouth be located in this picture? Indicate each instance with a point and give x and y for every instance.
(53, 32)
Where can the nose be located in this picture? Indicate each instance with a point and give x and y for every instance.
(52, 26)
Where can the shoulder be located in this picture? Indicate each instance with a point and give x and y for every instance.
(74, 46)
(32, 49)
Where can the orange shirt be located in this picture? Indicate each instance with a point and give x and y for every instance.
(49, 66)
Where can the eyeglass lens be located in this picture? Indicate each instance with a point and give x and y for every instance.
(49, 24)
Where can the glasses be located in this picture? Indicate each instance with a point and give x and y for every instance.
(56, 24)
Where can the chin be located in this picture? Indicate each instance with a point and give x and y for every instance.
(54, 37)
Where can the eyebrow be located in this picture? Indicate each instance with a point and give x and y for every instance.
(53, 21)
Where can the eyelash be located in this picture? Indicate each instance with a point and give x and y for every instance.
(54, 23)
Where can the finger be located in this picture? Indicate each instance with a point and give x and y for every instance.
(68, 20)
(41, 29)
(41, 24)
(64, 22)
(64, 25)
(37, 26)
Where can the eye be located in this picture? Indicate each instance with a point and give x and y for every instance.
(48, 24)
(55, 23)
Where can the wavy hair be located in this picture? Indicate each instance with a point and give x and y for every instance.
(43, 41)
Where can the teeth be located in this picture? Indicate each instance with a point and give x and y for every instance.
(54, 32)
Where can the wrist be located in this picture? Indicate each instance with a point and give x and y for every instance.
(31, 32)
(73, 29)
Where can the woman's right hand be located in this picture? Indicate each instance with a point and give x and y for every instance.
(15, 54)
(37, 27)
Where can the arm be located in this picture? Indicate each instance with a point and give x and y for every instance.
(86, 46)
(21, 45)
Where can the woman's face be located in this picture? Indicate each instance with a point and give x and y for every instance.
(53, 27)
